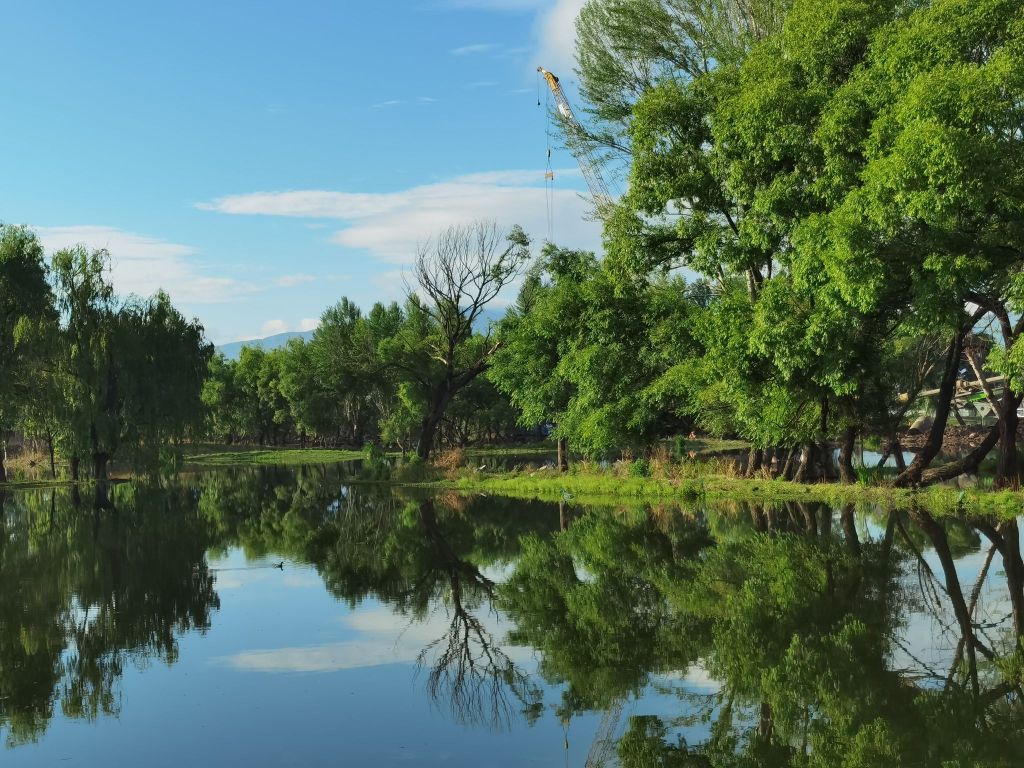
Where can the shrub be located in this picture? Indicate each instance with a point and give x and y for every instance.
(640, 468)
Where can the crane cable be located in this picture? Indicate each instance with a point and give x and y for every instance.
(549, 174)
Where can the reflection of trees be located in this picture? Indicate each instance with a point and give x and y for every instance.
(467, 667)
(798, 613)
(87, 591)
(422, 558)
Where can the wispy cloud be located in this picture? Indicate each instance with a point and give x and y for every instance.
(290, 281)
(272, 327)
(384, 104)
(426, 99)
(473, 49)
(389, 225)
(142, 265)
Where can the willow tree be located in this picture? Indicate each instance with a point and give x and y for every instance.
(130, 371)
(25, 303)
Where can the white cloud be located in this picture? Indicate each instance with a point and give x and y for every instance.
(390, 224)
(391, 285)
(388, 103)
(426, 99)
(142, 265)
(555, 31)
(381, 637)
(272, 327)
(290, 281)
(309, 324)
(475, 48)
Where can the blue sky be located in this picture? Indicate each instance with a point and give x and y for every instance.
(259, 160)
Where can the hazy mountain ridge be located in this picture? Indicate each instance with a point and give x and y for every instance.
(233, 349)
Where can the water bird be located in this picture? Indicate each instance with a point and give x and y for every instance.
(280, 565)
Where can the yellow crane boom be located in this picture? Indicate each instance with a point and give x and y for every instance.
(588, 165)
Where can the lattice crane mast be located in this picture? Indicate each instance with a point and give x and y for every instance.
(577, 144)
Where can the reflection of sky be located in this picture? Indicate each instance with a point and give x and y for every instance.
(287, 675)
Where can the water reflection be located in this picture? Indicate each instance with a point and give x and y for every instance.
(801, 624)
(90, 589)
(746, 634)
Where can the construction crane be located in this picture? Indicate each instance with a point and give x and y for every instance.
(577, 144)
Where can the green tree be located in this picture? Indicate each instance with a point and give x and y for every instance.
(436, 351)
(26, 304)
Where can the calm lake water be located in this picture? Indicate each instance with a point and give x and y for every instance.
(282, 617)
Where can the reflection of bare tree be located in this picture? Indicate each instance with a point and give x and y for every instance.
(975, 645)
(467, 666)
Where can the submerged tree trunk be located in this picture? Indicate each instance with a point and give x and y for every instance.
(3, 460)
(74, 464)
(563, 455)
(943, 401)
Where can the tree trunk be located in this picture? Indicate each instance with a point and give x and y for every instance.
(563, 455)
(787, 468)
(846, 473)
(755, 461)
(3, 460)
(805, 470)
(968, 463)
(53, 462)
(1008, 469)
(972, 460)
(100, 461)
(428, 431)
(944, 399)
(897, 453)
(74, 468)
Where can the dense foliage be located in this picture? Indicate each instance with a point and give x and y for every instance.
(838, 182)
(97, 377)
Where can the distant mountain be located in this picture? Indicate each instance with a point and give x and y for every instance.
(232, 350)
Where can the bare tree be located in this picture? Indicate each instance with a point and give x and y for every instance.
(457, 274)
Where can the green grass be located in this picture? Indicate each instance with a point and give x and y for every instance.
(21, 485)
(234, 456)
(598, 487)
(262, 457)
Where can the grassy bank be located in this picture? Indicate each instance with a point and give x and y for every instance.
(251, 457)
(235, 456)
(603, 486)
